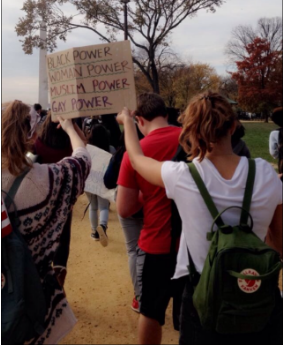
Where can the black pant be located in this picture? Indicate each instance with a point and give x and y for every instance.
(192, 333)
(62, 252)
(178, 286)
(154, 273)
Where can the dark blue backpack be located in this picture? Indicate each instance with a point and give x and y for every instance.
(23, 303)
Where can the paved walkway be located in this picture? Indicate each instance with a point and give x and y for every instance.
(99, 289)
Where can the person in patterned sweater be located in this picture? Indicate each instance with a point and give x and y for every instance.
(44, 200)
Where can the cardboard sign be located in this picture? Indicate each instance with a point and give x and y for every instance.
(99, 163)
(91, 80)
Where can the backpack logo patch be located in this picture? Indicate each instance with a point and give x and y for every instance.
(249, 286)
(3, 281)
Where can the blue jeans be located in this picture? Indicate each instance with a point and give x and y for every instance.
(132, 228)
(98, 203)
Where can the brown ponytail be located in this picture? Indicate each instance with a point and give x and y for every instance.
(206, 120)
(15, 143)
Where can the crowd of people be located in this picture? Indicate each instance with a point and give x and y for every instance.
(163, 216)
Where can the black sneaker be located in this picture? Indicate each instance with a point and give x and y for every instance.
(101, 230)
(95, 236)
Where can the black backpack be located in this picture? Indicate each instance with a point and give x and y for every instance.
(23, 303)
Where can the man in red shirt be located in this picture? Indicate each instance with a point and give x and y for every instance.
(155, 258)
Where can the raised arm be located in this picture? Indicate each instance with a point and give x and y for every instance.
(148, 168)
(75, 138)
(80, 133)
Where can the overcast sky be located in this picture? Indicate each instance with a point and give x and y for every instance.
(200, 39)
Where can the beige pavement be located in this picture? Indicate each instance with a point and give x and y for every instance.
(99, 289)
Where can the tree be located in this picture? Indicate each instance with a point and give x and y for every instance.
(195, 79)
(150, 24)
(259, 83)
(180, 82)
(269, 29)
(228, 87)
(167, 64)
(277, 79)
(168, 70)
(168, 78)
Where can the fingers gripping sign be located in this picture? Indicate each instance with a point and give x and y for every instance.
(65, 124)
(123, 115)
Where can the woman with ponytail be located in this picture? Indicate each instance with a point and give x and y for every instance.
(208, 124)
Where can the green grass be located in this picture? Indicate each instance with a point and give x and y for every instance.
(257, 139)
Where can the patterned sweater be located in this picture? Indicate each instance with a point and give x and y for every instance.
(44, 200)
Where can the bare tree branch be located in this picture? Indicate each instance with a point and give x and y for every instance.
(267, 28)
(151, 20)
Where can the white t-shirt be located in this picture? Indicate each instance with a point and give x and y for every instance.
(274, 143)
(196, 219)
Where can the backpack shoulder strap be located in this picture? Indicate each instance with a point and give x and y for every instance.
(248, 193)
(14, 188)
(205, 194)
(9, 199)
(193, 274)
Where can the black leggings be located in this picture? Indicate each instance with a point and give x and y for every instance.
(191, 332)
(62, 252)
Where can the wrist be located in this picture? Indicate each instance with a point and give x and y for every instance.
(128, 120)
(71, 131)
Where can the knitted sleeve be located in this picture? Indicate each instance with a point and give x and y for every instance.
(50, 192)
(71, 174)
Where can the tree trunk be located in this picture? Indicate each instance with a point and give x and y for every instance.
(265, 116)
(155, 78)
(153, 83)
(154, 72)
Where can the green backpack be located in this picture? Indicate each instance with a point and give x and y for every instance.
(237, 288)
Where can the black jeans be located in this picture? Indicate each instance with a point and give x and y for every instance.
(192, 333)
(62, 252)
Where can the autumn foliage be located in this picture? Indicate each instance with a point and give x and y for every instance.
(180, 82)
(259, 77)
